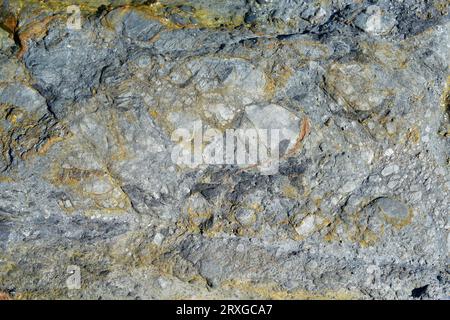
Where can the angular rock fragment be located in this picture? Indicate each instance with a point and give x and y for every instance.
(374, 21)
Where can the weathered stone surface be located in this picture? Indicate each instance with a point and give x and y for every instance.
(5, 41)
(358, 206)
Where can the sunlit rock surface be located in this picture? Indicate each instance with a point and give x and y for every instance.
(358, 207)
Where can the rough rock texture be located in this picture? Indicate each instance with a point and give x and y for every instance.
(358, 209)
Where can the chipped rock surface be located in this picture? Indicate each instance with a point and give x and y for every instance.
(359, 204)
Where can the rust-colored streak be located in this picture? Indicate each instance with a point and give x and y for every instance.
(304, 131)
(5, 296)
(9, 24)
(36, 30)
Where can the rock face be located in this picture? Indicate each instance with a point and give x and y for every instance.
(93, 205)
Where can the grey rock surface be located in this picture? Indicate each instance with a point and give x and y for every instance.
(359, 205)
